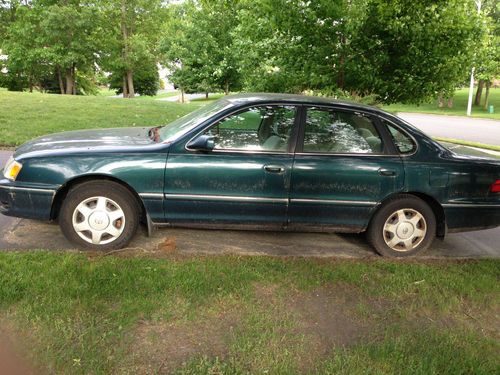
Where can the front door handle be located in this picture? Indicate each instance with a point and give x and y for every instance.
(386, 172)
(274, 168)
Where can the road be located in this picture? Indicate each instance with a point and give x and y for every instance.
(480, 130)
(28, 234)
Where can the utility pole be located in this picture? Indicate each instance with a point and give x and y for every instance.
(471, 86)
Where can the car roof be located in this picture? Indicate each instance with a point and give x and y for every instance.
(241, 99)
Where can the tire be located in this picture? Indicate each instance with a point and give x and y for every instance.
(99, 215)
(404, 226)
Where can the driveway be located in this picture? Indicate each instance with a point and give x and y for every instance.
(480, 130)
(18, 234)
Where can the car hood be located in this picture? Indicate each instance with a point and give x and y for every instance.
(86, 140)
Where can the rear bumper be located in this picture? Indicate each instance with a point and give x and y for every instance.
(26, 201)
(469, 217)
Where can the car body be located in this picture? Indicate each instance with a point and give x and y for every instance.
(263, 161)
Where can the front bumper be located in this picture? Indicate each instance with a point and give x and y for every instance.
(26, 201)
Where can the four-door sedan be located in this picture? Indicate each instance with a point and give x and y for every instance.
(256, 161)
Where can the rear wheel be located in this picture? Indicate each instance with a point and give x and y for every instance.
(100, 215)
(403, 226)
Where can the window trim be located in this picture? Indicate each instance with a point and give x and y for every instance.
(292, 141)
(300, 144)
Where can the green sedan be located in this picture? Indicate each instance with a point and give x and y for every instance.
(260, 162)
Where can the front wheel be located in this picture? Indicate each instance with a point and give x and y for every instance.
(403, 226)
(100, 215)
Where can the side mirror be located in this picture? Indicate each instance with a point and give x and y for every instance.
(202, 143)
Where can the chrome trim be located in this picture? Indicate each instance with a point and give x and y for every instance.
(230, 198)
(472, 205)
(51, 191)
(334, 201)
(346, 154)
(151, 195)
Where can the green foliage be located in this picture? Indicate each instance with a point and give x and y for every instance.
(197, 46)
(146, 80)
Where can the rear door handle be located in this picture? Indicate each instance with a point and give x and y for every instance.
(274, 168)
(386, 172)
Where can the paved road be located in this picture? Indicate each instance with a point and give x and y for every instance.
(188, 97)
(28, 234)
(485, 131)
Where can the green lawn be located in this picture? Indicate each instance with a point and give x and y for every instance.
(459, 108)
(83, 313)
(24, 116)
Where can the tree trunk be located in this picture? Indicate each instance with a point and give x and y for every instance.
(59, 79)
(30, 84)
(125, 86)
(206, 95)
(479, 92)
(487, 95)
(440, 101)
(182, 96)
(73, 73)
(450, 102)
(226, 88)
(130, 84)
(69, 81)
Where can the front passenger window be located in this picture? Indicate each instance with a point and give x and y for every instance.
(264, 128)
(333, 131)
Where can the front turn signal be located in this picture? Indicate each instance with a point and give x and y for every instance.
(12, 169)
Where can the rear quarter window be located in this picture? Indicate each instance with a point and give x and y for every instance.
(403, 142)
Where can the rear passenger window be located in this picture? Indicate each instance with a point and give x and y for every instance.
(332, 131)
(402, 141)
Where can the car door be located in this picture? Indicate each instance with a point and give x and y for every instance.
(244, 179)
(344, 166)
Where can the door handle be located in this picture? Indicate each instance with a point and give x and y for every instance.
(274, 168)
(386, 172)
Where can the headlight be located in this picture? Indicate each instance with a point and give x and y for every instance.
(12, 169)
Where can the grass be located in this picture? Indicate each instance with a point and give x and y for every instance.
(468, 143)
(459, 106)
(24, 116)
(83, 313)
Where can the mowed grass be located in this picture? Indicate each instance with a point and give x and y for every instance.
(24, 116)
(80, 313)
(460, 100)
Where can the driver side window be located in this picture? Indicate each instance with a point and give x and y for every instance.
(263, 128)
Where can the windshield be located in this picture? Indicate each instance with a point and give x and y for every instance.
(182, 125)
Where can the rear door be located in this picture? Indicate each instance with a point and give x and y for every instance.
(345, 164)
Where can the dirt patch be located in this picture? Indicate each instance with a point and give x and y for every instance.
(13, 360)
(326, 318)
(159, 348)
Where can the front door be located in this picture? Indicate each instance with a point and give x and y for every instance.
(245, 179)
(344, 166)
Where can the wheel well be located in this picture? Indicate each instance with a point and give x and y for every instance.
(433, 204)
(63, 192)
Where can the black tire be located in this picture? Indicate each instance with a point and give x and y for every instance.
(107, 189)
(377, 236)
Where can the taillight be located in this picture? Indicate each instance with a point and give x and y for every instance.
(495, 187)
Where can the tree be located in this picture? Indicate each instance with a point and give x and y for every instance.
(197, 46)
(53, 37)
(132, 30)
(488, 51)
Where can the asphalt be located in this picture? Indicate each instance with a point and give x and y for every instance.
(480, 130)
(21, 234)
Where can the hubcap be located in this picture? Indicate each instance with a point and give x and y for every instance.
(404, 230)
(98, 220)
